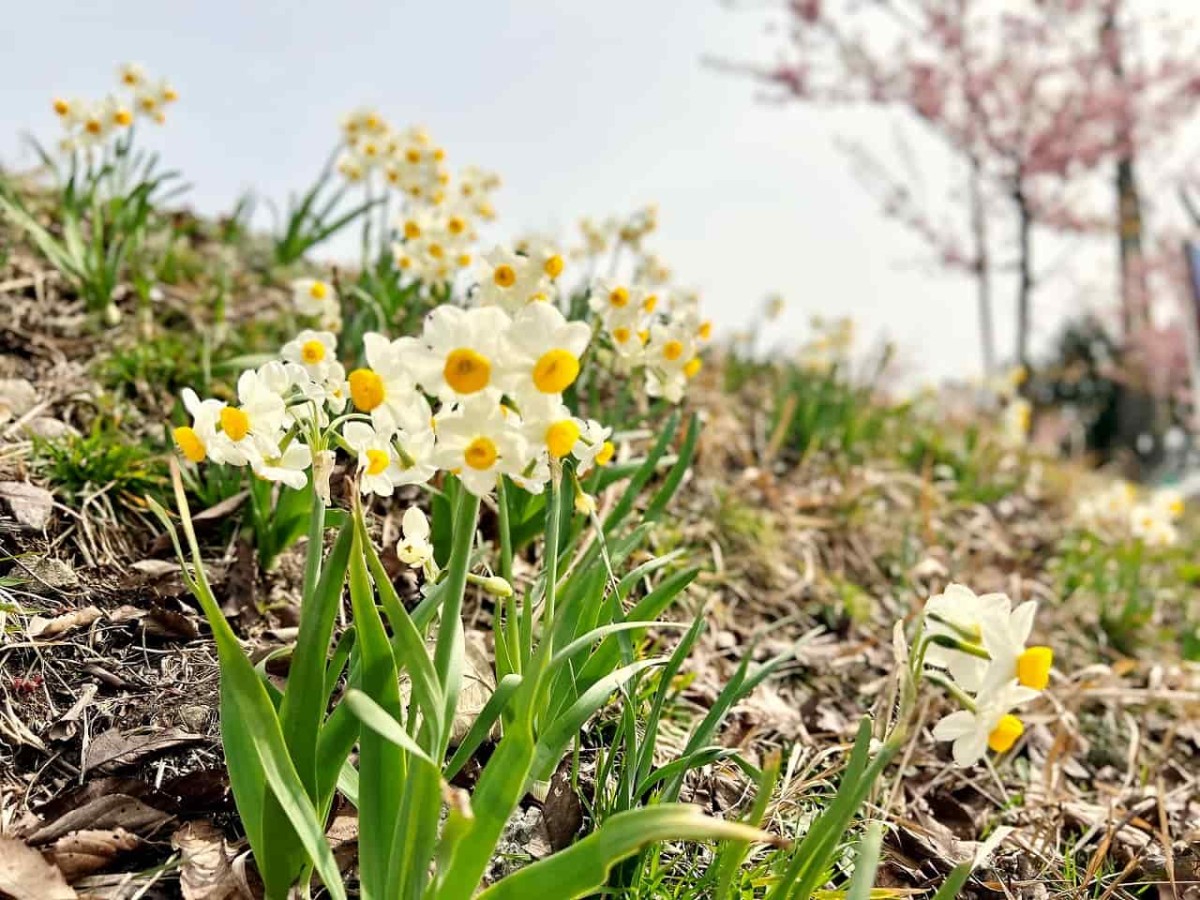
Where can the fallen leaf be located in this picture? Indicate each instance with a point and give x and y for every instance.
(110, 811)
(167, 623)
(562, 809)
(114, 748)
(84, 852)
(40, 627)
(65, 727)
(205, 870)
(25, 874)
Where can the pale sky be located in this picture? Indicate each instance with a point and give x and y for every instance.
(583, 108)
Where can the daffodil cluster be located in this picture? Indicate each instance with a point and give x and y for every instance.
(649, 331)
(479, 393)
(1119, 512)
(437, 223)
(975, 645)
(92, 123)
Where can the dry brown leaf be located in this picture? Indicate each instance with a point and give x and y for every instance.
(205, 871)
(84, 852)
(40, 627)
(110, 811)
(114, 748)
(25, 874)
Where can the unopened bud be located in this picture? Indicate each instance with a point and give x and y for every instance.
(497, 587)
(585, 503)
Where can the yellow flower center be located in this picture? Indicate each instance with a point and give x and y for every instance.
(692, 367)
(464, 260)
(621, 334)
(170, 95)
(1175, 508)
(467, 371)
(605, 454)
(189, 443)
(235, 423)
(553, 266)
(93, 126)
(413, 155)
(1005, 734)
(619, 297)
(555, 371)
(318, 290)
(436, 251)
(456, 225)
(1033, 667)
(672, 350)
(480, 454)
(366, 389)
(62, 107)
(130, 77)
(123, 117)
(439, 154)
(704, 332)
(148, 104)
(561, 437)
(377, 461)
(312, 352)
(412, 230)
(504, 276)
(650, 302)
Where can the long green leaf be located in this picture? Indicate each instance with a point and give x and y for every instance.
(582, 868)
(555, 738)
(256, 716)
(379, 759)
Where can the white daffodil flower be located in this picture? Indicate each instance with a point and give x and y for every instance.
(1152, 525)
(542, 353)
(131, 75)
(350, 167)
(475, 189)
(314, 297)
(252, 429)
(315, 351)
(670, 359)
(193, 440)
(991, 725)
(615, 304)
(416, 454)
(479, 440)
(593, 447)
(509, 280)
(384, 387)
(457, 355)
(1004, 636)
(1169, 502)
(379, 469)
(290, 468)
(414, 548)
(958, 613)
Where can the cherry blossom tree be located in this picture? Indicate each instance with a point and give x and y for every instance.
(1043, 106)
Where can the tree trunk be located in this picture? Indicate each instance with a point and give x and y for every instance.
(1025, 270)
(1133, 278)
(983, 286)
(1134, 312)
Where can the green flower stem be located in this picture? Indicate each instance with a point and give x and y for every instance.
(964, 699)
(952, 643)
